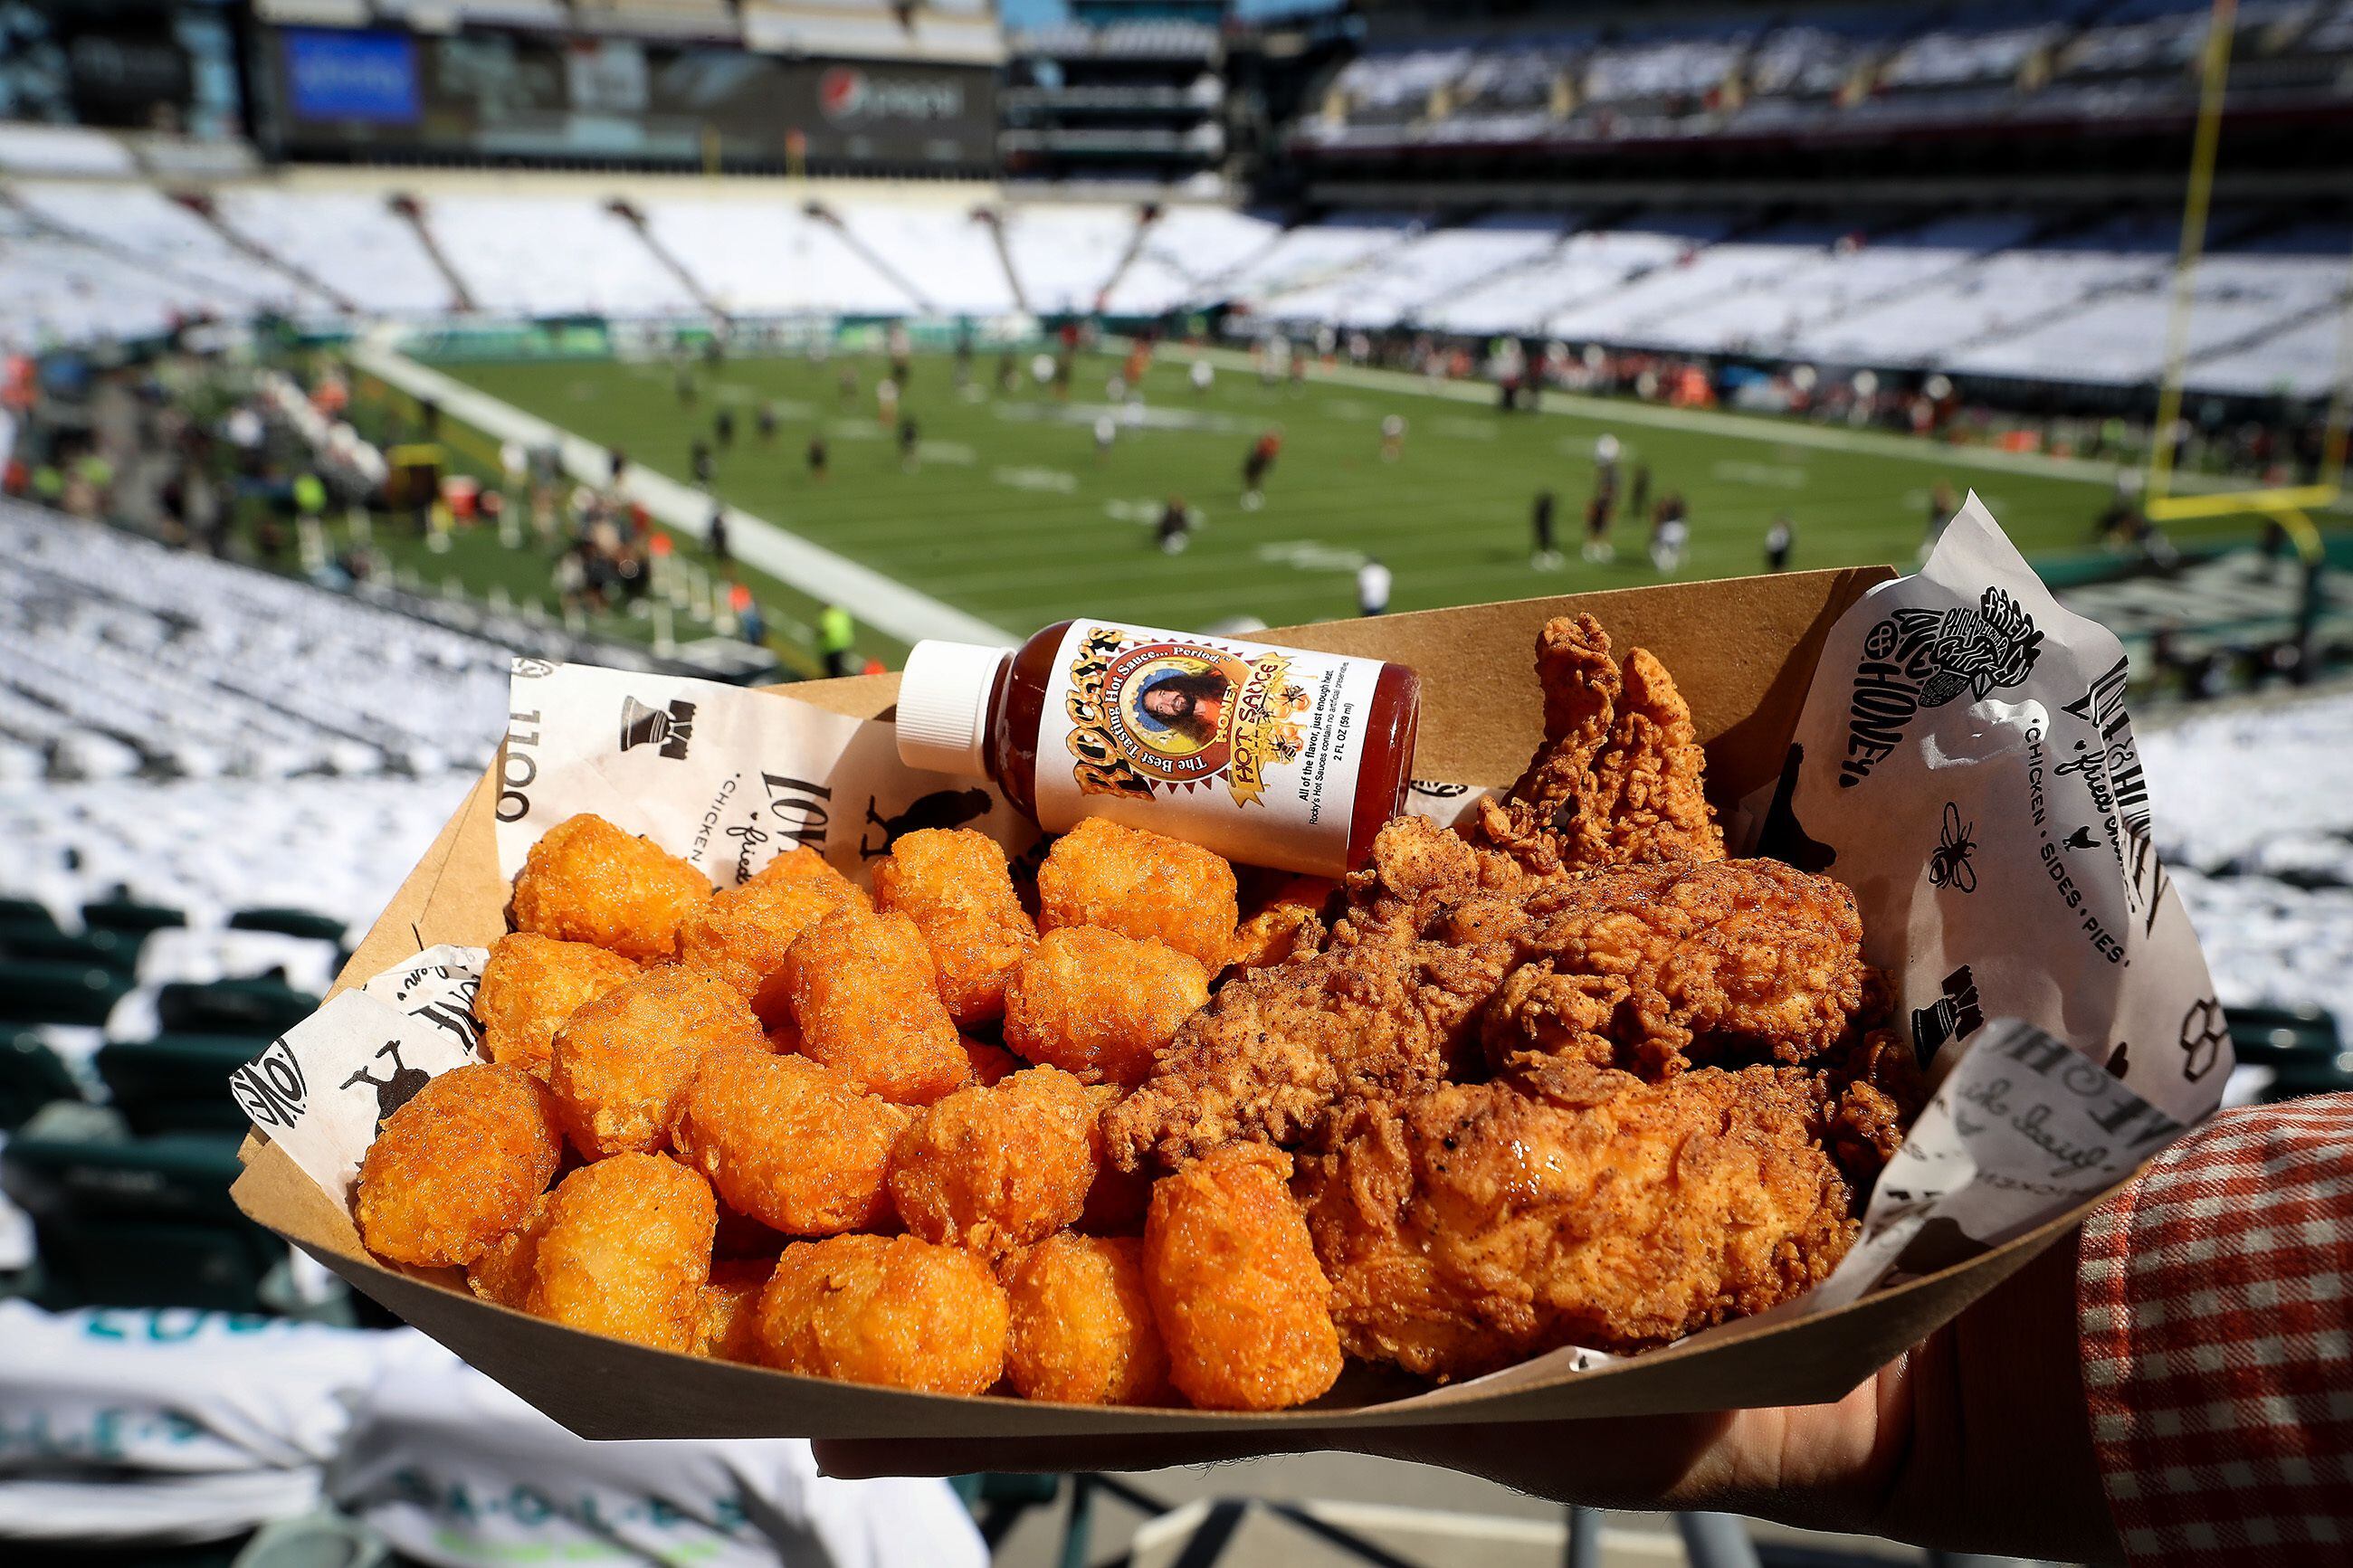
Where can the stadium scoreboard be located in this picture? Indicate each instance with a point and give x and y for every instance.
(358, 92)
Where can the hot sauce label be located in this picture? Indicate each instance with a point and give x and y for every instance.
(1250, 751)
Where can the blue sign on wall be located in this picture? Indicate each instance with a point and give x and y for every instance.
(368, 77)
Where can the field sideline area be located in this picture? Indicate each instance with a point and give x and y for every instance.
(1012, 516)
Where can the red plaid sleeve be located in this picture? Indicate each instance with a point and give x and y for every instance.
(2218, 1346)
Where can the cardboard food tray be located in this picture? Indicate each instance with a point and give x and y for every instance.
(1743, 651)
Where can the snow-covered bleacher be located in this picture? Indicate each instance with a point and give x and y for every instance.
(114, 651)
(944, 252)
(61, 150)
(139, 224)
(501, 247)
(352, 240)
(1186, 256)
(1591, 263)
(1065, 255)
(766, 256)
(2236, 810)
(1316, 254)
(1690, 303)
(1427, 268)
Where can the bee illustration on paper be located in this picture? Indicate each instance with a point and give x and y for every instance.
(1948, 865)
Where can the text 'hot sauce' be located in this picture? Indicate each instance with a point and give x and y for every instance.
(1269, 757)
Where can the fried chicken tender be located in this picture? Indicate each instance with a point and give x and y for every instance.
(893, 1310)
(1240, 1299)
(1082, 1332)
(1098, 1005)
(1143, 885)
(786, 1142)
(865, 992)
(727, 1317)
(1476, 1224)
(504, 1271)
(743, 934)
(955, 885)
(1418, 871)
(1618, 779)
(626, 1251)
(1280, 1047)
(1285, 920)
(1647, 967)
(586, 881)
(621, 1062)
(457, 1167)
(530, 986)
(996, 1169)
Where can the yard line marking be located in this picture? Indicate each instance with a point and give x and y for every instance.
(1778, 476)
(883, 603)
(1034, 478)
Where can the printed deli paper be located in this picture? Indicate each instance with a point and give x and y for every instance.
(321, 1089)
(728, 777)
(1963, 761)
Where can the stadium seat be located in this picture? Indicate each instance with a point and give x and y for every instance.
(289, 922)
(252, 1009)
(31, 1077)
(177, 1083)
(48, 991)
(125, 1221)
(106, 949)
(131, 917)
(25, 914)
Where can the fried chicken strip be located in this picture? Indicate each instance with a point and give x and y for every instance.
(1278, 1047)
(1618, 779)
(1475, 1225)
(1650, 967)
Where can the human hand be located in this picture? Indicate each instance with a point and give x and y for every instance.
(1975, 1440)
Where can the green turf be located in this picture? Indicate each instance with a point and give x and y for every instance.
(1012, 517)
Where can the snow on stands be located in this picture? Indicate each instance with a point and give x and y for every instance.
(118, 656)
(2263, 859)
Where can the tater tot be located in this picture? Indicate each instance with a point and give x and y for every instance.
(621, 1061)
(993, 1169)
(954, 884)
(727, 1318)
(1242, 1303)
(795, 1145)
(1082, 1330)
(893, 1310)
(628, 1251)
(1140, 884)
(1099, 1004)
(742, 934)
(866, 995)
(530, 986)
(586, 881)
(990, 1064)
(503, 1272)
(459, 1166)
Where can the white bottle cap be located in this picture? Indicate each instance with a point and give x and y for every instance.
(943, 707)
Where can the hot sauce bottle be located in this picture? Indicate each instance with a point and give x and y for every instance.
(1269, 757)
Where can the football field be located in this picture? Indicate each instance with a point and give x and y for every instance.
(1011, 513)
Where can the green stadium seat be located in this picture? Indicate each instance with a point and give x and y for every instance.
(289, 922)
(111, 949)
(177, 1083)
(2283, 1036)
(31, 1077)
(123, 1221)
(121, 914)
(46, 991)
(25, 914)
(252, 1009)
